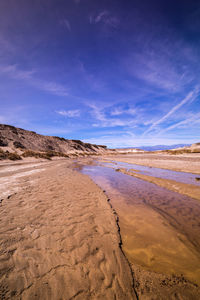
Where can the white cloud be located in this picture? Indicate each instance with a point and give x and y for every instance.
(100, 16)
(51, 87)
(157, 66)
(189, 98)
(158, 73)
(120, 111)
(191, 121)
(15, 73)
(69, 113)
(105, 121)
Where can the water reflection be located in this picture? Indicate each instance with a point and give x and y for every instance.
(157, 172)
(160, 228)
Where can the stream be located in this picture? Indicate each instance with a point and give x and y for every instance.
(160, 229)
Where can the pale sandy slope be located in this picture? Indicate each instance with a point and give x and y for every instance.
(59, 239)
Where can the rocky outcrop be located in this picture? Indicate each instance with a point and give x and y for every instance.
(13, 139)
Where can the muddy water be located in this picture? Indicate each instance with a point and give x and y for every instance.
(160, 229)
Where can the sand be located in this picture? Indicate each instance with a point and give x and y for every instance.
(160, 250)
(183, 163)
(172, 185)
(59, 237)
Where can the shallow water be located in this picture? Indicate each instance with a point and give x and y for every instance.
(157, 172)
(160, 229)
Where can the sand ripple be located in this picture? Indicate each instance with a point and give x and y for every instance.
(59, 240)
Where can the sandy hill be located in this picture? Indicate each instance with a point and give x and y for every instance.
(129, 150)
(195, 146)
(24, 142)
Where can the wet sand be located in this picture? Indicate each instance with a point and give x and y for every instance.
(59, 238)
(182, 188)
(183, 163)
(160, 233)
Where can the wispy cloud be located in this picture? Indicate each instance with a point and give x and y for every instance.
(188, 99)
(121, 111)
(156, 64)
(191, 121)
(157, 72)
(104, 120)
(30, 77)
(101, 16)
(69, 113)
(16, 73)
(104, 17)
(66, 23)
(51, 87)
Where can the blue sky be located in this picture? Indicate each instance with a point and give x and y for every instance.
(119, 73)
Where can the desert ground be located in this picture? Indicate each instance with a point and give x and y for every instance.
(189, 163)
(60, 236)
(182, 163)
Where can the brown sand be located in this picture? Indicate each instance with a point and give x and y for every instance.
(183, 163)
(159, 254)
(59, 238)
(152, 243)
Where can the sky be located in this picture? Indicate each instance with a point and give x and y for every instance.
(112, 72)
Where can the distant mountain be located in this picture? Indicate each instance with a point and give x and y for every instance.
(163, 147)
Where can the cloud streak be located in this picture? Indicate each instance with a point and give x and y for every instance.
(120, 111)
(69, 113)
(155, 64)
(104, 17)
(194, 120)
(105, 121)
(189, 98)
(101, 16)
(66, 23)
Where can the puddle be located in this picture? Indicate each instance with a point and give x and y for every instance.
(157, 172)
(160, 229)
